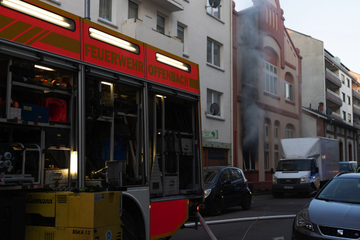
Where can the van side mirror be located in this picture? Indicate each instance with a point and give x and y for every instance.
(272, 171)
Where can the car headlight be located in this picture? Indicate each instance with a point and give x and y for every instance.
(274, 180)
(302, 221)
(303, 179)
(207, 192)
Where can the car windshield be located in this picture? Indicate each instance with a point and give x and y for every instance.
(341, 190)
(210, 175)
(294, 165)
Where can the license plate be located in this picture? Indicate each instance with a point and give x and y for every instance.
(288, 187)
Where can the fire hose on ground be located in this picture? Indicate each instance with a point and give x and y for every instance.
(212, 236)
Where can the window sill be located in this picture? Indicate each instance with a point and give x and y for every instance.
(215, 18)
(216, 67)
(214, 117)
(271, 95)
(289, 102)
(107, 22)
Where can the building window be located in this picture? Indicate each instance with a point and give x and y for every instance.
(213, 99)
(266, 131)
(288, 91)
(181, 34)
(276, 144)
(349, 117)
(213, 11)
(343, 78)
(343, 97)
(340, 130)
(330, 128)
(348, 82)
(344, 115)
(348, 100)
(105, 9)
(213, 53)
(289, 133)
(266, 156)
(160, 24)
(266, 146)
(270, 78)
(133, 10)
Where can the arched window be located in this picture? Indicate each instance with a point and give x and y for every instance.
(276, 142)
(270, 71)
(267, 125)
(350, 152)
(289, 89)
(341, 151)
(289, 131)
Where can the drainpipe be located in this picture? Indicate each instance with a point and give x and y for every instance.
(87, 9)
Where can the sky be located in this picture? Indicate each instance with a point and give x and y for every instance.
(335, 22)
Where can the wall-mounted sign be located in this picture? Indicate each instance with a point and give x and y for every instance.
(210, 134)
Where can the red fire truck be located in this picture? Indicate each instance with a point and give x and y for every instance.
(93, 125)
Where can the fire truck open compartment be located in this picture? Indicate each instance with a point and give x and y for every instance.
(172, 130)
(113, 129)
(36, 100)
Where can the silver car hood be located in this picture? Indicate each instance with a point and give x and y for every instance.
(335, 214)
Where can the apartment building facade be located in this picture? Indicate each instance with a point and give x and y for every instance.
(267, 89)
(187, 28)
(330, 96)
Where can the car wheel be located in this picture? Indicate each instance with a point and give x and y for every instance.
(246, 204)
(277, 194)
(216, 207)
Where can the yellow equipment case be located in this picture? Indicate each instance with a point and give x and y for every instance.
(74, 216)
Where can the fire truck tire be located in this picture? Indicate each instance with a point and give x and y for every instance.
(128, 226)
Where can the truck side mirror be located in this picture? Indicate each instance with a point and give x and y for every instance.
(317, 170)
(272, 171)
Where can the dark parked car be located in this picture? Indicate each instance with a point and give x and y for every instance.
(225, 187)
(334, 213)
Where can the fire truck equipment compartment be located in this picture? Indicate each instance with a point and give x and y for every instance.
(57, 137)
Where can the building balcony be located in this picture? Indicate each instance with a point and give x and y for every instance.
(170, 5)
(333, 98)
(356, 94)
(332, 78)
(356, 110)
(336, 116)
(135, 28)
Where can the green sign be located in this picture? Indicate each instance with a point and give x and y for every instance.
(210, 134)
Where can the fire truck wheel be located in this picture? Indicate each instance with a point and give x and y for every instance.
(128, 226)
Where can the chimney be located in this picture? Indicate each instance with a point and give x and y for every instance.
(321, 107)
